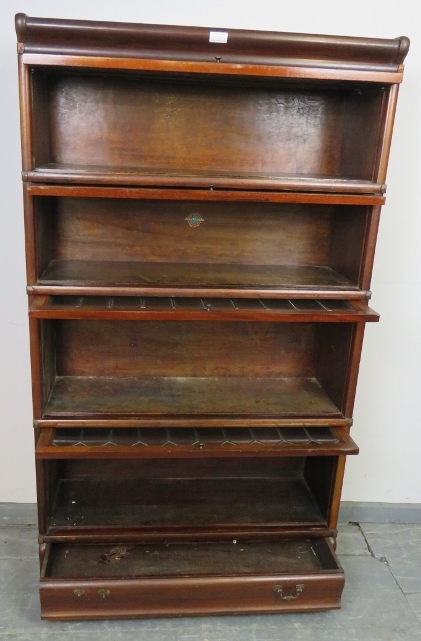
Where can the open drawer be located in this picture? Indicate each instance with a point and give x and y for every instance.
(189, 578)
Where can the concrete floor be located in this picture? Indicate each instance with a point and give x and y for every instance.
(381, 600)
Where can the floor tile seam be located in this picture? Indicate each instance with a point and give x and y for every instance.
(14, 526)
(359, 554)
(417, 616)
(369, 548)
(16, 555)
(20, 557)
(47, 634)
(384, 560)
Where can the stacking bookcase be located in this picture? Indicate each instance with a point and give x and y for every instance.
(201, 212)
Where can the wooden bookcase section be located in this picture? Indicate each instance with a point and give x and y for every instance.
(200, 220)
(153, 246)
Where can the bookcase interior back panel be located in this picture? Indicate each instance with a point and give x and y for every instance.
(212, 493)
(106, 241)
(170, 368)
(207, 125)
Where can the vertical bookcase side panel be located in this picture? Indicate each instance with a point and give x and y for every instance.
(43, 495)
(338, 479)
(386, 139)
(44, 236)
(353, 368)
(48, 356)
(338, 362)
(41, 117)
(319, 473)
(367, 259)
(37, 377)
(352, 248)
(348, 236)
(31, 249)
(362, 122)
(48, 475)
(333, 358)
(26, 122)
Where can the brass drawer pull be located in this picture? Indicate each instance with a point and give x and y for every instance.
(103, 592)
(79, 592)
(289, 593)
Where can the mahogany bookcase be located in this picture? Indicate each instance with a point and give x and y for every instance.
(201, 211)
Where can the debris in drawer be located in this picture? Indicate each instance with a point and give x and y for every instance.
(115, 554)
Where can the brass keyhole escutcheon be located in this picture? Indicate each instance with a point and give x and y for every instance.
(79, 592)
(103, 592)
(288, 593)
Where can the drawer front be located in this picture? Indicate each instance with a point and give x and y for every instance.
(97, 599)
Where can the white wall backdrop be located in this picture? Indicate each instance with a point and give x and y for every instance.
(387, 423)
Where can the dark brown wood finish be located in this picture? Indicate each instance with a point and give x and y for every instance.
(302, 72)
(302, 568)
(190, 421)
(226, 195)
(202, 309)
(32, 268)
(191, 442)
(111, 243)
(386, 139)
(105, 368)
(178, 498)
(37, 373)
(289, 292)
(308, 148)
(129, 534)
(168, 398)
(84, 37)
(200, 221)
(336, 492)
(54, 173)
(26, 124)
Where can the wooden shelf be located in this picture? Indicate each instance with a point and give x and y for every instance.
(170, 177)
(96, 277)
(296, 137)
(177, 497)
(156, 371)
(155, 504)
(175, 396)
(200, 195)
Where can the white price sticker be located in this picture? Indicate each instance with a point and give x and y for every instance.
(218, 36)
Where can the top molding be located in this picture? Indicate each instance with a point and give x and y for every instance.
(125, 40)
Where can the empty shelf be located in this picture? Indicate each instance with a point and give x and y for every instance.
(175, 396)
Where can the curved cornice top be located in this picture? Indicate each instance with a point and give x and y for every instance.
(125, 40)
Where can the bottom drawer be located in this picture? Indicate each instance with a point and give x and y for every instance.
(219, 577)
